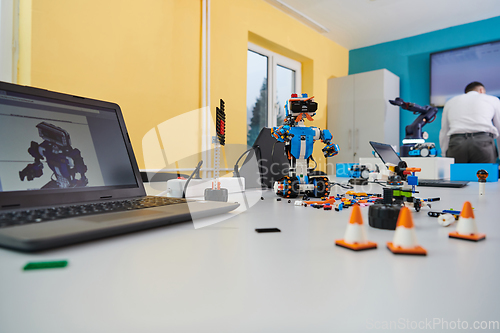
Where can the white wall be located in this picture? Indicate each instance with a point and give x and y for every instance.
(6, 38)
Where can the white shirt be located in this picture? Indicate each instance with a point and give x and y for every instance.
(469, 113)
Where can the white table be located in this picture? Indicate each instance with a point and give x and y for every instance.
(228, 278)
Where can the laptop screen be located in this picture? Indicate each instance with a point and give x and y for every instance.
(385, 152)
(51, 144)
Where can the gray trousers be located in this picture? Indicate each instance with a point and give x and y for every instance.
(472, 148)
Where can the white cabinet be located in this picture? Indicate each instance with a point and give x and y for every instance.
(359, 111)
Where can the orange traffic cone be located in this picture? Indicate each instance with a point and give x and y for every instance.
(466, 226)
(405, 239)
(355, 234)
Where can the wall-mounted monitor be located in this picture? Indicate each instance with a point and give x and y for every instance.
(452, 70)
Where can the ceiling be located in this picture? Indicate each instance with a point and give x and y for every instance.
(358, 23)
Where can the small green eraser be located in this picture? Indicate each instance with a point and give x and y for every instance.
(45, 264)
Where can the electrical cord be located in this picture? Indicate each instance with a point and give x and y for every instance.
(237, 173)
(316, 163)
(272, 151)
(235, 169)
(196, 170)
(383, 184)
(345, 186)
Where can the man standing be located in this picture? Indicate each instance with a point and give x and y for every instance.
(469, 126)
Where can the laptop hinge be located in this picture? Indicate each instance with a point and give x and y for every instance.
(106, 197)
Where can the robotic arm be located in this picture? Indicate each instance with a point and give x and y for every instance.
(427, 115)
(330, 149)
(282, 133)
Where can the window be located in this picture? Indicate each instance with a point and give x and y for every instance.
(271, 79)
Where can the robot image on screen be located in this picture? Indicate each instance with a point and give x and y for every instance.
(299, 143)
(65, 161)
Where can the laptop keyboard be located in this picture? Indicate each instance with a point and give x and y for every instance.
(54, 213)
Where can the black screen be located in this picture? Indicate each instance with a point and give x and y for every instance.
(385, 152)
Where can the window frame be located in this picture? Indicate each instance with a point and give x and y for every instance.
(273, 60)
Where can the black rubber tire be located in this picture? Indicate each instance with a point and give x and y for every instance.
(382, 216)
(291, 187)
(322, 188)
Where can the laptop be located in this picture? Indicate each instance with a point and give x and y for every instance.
(387, 154)
(68, 174)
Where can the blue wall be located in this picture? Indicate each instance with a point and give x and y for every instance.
(408, 58)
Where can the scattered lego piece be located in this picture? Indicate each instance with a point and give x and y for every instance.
(446, 219)
(261, 198)
(454, 213)
(466, 226)
(261, 230)
(45, 265)
(405, 239)
(355, 234)
(289, 201)
(278, 199)
(321, 202)
(298, 203)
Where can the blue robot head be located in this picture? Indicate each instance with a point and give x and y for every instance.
(296, 106)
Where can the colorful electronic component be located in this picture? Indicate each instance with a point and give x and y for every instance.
(220, 123)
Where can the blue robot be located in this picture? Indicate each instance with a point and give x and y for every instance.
(299, 143)
(64, 161)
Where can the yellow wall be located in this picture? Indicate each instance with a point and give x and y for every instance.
(146, 56)
(257, 21)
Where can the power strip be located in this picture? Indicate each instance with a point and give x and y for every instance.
(196, 187)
